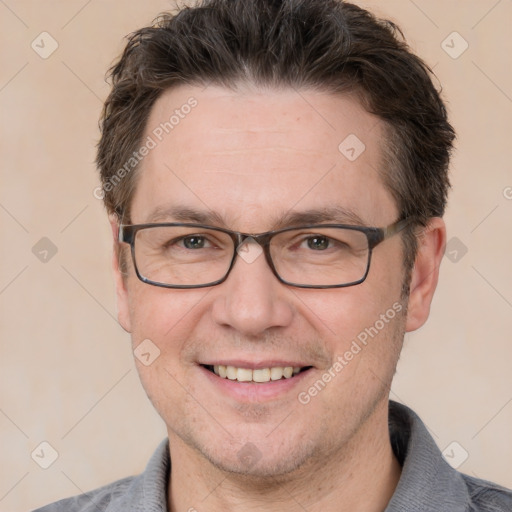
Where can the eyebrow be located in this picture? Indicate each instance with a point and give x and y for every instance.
(334, 214)
(331, 214)
(180, 213)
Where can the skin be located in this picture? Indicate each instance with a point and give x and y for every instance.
(250, 157)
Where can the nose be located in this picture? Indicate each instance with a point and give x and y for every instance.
(252, 300)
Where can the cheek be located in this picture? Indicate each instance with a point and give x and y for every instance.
(361, 328)
(163, 321)
(160, 312)
(341, 314)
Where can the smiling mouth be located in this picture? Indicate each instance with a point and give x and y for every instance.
(260, 376)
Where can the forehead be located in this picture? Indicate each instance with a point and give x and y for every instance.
(251, 156)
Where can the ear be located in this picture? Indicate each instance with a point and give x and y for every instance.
(425, 273)
(123, 310)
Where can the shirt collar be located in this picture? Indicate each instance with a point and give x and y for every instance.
(148, 491)
(428, 483)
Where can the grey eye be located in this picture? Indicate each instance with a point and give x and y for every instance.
(318, 243)
(194, 242)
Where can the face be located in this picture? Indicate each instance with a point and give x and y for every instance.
(245, 160)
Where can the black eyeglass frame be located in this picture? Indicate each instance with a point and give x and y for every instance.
(375, 236)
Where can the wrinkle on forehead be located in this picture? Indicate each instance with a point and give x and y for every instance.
(259, 151)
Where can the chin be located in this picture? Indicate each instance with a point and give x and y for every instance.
(260, 464)
(256, 455)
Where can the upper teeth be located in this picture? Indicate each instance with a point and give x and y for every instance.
(260, 375)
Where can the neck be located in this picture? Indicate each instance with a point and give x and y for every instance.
(359, 476)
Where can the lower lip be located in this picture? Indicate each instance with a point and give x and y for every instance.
(254, 392)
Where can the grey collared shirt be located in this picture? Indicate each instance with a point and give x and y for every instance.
(427, 484)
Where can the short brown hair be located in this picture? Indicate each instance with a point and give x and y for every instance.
(326, 45)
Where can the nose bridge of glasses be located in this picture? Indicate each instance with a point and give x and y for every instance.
(249, 247)
(255, 239)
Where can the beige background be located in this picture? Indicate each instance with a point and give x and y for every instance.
(67, 375)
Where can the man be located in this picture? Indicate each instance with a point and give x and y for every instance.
(276, 175)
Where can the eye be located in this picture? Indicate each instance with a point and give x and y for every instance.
(194, 242)
(318, 242)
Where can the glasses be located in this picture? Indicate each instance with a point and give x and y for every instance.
(181, 255)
